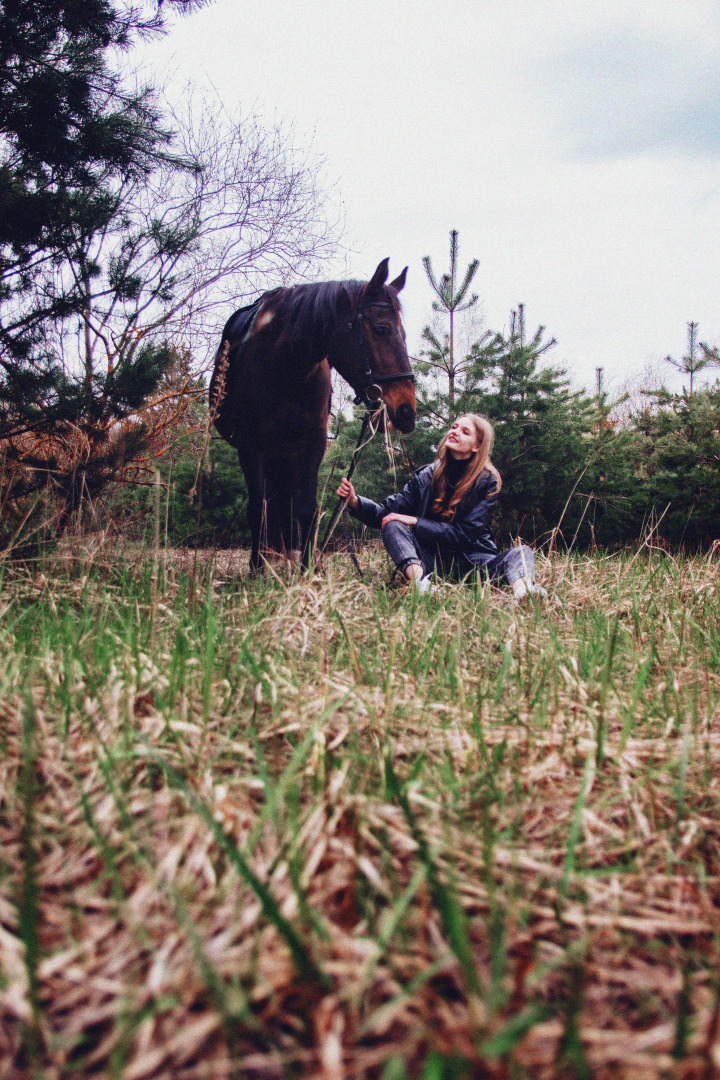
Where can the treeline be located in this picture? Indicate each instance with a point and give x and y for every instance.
(578, 470)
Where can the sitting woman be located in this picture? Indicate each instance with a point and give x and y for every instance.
(441, 519)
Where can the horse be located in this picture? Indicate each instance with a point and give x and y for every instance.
(270, 393)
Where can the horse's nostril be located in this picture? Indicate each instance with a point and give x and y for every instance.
(405, 417)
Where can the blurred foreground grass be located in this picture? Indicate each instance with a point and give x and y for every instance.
(322, 828)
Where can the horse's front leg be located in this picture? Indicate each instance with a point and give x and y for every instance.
(251, 465)
(294, 481)
(281, 530)
(307, 495)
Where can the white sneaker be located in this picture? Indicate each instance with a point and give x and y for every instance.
(529, 588)
(425, 585)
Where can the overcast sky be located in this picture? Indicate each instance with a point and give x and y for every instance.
(574, 145)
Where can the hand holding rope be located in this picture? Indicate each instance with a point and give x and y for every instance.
(341, 503)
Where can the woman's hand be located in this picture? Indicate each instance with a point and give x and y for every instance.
(404, 519)
(347, 491)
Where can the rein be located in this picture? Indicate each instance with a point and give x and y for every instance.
(341, 503)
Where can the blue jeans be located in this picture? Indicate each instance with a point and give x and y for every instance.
(403, 548)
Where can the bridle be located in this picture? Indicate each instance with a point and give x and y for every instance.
(372, 389)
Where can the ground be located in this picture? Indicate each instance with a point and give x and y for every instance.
(319, 827)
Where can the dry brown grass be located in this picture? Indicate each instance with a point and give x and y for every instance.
(296, 828)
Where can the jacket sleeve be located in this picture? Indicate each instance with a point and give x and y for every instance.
(471, 527)
(406, 501)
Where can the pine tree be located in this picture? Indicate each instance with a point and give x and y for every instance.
(678, 483)
(694, 362)
(451, 301)
(70, 134)
(542, 429)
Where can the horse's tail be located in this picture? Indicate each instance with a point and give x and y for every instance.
(224, 382)
(218, 392)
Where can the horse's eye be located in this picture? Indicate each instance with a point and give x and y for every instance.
(381, 331)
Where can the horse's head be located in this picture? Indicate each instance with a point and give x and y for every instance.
(370, 351)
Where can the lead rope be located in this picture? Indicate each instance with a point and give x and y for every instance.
(341, 503)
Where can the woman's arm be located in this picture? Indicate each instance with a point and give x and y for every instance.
(403, 505)
(404, 519)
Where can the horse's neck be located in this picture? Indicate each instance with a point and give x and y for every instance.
(317, 343)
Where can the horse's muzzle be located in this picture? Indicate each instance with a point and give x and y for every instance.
(404, 418)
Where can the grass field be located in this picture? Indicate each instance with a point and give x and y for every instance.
(324, 828)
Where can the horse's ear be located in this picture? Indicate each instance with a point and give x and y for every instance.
(378, 279)
(344, 305)
(399, 282)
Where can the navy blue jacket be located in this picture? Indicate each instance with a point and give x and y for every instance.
(468, 537)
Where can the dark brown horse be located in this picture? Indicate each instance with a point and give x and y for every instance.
(270, 392)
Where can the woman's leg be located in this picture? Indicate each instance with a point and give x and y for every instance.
(407, 555)
(516, 567)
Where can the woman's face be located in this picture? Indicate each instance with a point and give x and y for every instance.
(462, 440)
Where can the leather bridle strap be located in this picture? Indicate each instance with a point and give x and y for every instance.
(373, 381)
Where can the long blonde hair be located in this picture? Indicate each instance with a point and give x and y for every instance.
(447, 508)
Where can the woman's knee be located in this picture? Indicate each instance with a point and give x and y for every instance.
(400, 543)
(397, 538)
(395, 528)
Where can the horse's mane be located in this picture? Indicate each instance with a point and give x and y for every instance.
(309, 312)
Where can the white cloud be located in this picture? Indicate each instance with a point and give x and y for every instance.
(626, 92)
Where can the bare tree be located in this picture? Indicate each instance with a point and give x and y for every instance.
(236, 209)
(245, 211)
